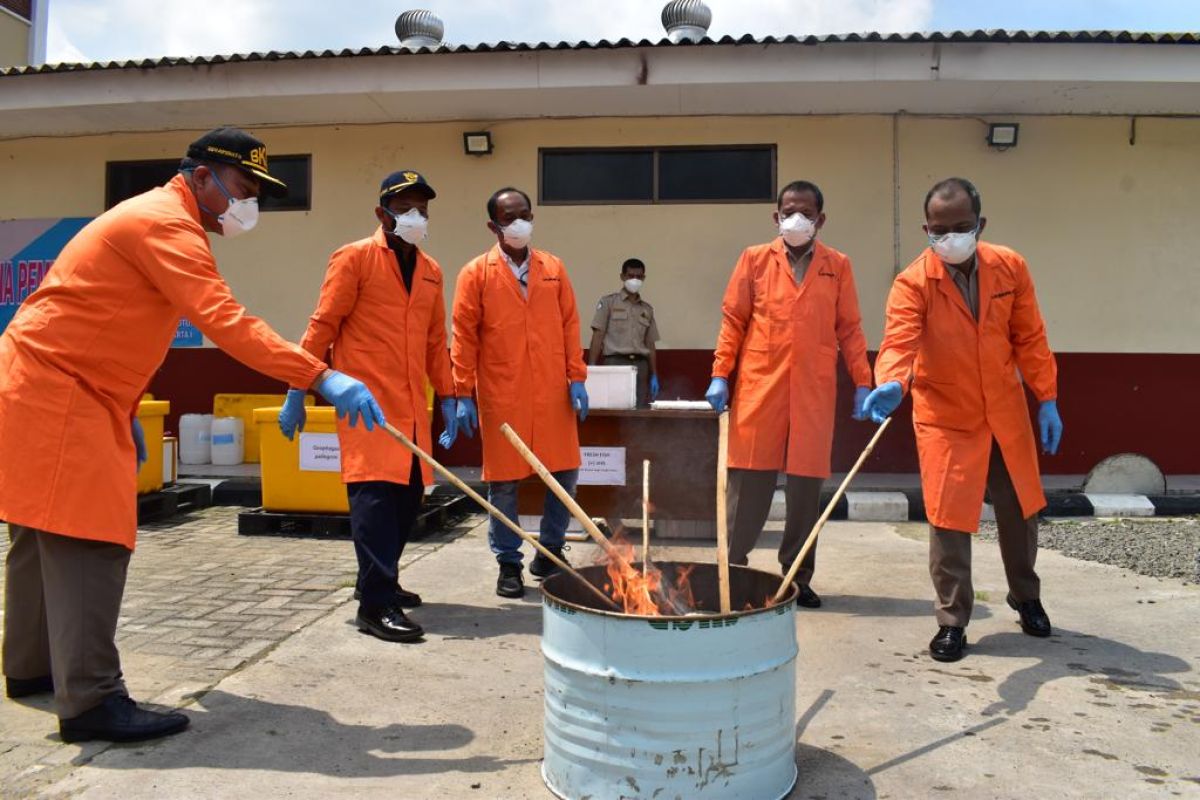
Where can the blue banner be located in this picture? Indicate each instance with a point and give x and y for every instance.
(28, 249)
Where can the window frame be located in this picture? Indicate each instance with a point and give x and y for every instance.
(174, 162)
(654, 150)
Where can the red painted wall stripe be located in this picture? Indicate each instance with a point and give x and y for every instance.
(1110, 403)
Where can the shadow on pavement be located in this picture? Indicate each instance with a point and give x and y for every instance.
(245, 733)
(1113, 665)
(458, 621)
(866, 606)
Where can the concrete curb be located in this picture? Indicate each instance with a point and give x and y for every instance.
(909, 506)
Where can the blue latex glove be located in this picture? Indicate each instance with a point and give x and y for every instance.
(293, 415)
(860, 398)
(467, 415)
(139, 442)
(579, 399)
(1051, 427)
(653, 388)
(718, 394)
(450, 417)
(351, 396)
(883, 402)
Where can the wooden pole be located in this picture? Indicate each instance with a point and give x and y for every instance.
(645, 517)
(812, 536)
(722, 521)
(564, 496)
(498, 514)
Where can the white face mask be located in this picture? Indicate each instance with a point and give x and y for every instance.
(411, 226)
(797, 230)
(955, 248)
(633, 285)
(241, 216)
(518, 233)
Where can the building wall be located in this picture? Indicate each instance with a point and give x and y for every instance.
(1108, 227)
(14, 40)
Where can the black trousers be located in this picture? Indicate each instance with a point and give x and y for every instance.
(381, 517)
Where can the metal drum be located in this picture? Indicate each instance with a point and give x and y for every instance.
(670, 708)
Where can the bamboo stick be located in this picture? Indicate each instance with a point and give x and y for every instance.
(722, 521)
(645, 517)
(812, 536)
(498, 514)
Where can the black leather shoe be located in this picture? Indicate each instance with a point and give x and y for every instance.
(807, 597)
(402, 598)
(542, 567)
(1034, 620)
(27, 687)
(950, 644)
(391, 625)
(510, 583)
(118, 719)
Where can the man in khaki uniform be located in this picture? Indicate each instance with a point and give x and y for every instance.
(624, 332)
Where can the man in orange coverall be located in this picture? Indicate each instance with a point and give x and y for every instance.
(382, 310)
(516, 345)
(791, 305)
(963, 329)
(74, 363)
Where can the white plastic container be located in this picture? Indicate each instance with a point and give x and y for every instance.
(612, 387)
(195, 439)
(228, 441)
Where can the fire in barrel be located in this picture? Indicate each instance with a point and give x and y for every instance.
(676, 701)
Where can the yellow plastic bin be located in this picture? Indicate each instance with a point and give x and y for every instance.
(305, 473)
(152, 414)
(243, 405)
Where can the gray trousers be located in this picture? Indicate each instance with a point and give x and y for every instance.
(62, 598)
(950, 552)
(748, 504)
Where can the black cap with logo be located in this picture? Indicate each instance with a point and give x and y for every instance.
(234, 146)
(401, 181)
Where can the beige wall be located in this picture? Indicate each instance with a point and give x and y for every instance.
(1109, 228)
(14, 40)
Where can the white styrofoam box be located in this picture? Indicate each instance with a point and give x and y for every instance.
(1120, 505)
(612, 387)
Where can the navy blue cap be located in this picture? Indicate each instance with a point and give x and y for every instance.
(401, 181)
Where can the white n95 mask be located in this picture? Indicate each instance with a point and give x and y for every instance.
(518, 233)
(411, 226)
(633, 285)
(241, 216)
(797, 230)
(954, 248)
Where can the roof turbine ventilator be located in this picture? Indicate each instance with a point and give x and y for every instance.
(419, 28)
(686, 20)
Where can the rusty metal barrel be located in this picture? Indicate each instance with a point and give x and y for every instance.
(671, 708)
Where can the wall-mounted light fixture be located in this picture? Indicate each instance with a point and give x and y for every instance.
(1003, 135)
(477, 143)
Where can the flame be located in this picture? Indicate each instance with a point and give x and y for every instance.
(642, 589)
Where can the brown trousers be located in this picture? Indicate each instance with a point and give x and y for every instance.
(950, 552)
(748, 504)
(62, 597)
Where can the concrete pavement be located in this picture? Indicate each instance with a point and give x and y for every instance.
(1108, 707)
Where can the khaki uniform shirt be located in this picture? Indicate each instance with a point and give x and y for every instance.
(627, 324)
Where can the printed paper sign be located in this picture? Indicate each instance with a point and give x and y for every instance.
(319, 452)
(602, 466)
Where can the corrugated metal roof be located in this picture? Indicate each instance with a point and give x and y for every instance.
(978, 36)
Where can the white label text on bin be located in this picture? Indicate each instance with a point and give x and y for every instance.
(319, 452)
(602, 466)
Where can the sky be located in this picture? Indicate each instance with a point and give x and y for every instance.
(102, 30)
